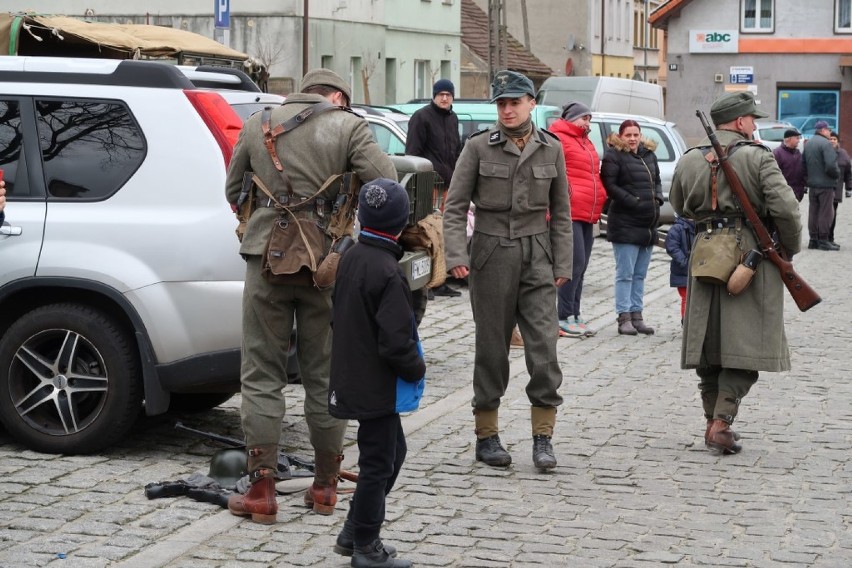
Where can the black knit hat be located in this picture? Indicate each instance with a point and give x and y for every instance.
(383, 205)
(443, 85)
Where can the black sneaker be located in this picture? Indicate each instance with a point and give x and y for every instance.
(444, 290)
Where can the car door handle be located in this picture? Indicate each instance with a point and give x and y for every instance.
(10, 230)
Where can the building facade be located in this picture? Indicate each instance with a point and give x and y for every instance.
(792, 55)
(389, 50)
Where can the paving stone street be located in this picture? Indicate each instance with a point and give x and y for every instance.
(635, 486)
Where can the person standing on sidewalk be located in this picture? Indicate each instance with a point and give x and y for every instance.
(789, 159)
(433, 133)
(325, 144)
(844, 181)
(587, 201)
(631, 176)
(821, 173)
(377, 368)
(514, 173)
(679, 241)
(729, 339)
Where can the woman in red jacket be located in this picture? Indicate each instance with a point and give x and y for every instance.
(588, 195)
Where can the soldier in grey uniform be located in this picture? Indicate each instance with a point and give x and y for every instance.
(520, 252)
(729, 339)
(329, 143)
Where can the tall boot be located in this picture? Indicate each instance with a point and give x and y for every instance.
(543, 420)
(322, 495)
(488, 446)
(639, 323)
(625, 324)
(259, 501)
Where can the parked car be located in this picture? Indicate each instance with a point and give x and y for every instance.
(770, 133)
(121, 279)
(807, 124)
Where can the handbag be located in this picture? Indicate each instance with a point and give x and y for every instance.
(715, 256)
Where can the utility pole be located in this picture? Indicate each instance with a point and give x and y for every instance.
(497, 37)
(645, 46)
(603, 38)
(526, 24)
(305, 42)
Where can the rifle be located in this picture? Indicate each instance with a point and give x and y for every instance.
(285, 461)
(804, 296)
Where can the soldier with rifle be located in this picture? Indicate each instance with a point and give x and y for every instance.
(729, 338)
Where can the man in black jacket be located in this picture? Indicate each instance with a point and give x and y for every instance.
(433, 133)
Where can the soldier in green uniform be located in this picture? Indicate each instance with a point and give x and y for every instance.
(729, 339)
(329, 143)
(520, 252)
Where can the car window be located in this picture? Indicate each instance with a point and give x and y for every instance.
(245, 110)
(89, 148)
(597, 137)
(11, 156)
(387, 140)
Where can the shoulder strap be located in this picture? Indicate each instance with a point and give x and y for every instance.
(270, 134)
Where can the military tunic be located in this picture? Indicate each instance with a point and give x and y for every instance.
(326, 144)
(522, 242)
(745, 331)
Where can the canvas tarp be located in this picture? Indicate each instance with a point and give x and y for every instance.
(69, 37)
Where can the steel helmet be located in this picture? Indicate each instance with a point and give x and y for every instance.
(228, 466)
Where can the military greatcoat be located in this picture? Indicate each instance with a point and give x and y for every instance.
(745, 331)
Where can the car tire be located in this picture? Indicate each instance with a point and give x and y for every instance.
(50, 409)
(197, 402)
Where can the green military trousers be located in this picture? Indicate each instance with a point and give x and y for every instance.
(722, 389)
(268, 313)
(511, 281)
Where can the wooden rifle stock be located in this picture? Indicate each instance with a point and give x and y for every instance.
(804, 296)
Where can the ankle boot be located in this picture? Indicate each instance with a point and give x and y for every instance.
(625, 324)
(721, 438)
(543, 457)
(639, 324)
(322, 495)
(345, 544)
(488, 446)
(376, 555)
(259, 501)
(707, 433)
(543, 421)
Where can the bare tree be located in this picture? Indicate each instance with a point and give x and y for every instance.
(367, 70)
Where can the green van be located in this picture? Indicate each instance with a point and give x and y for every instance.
(475, 116)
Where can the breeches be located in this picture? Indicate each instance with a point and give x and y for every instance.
(269, 311)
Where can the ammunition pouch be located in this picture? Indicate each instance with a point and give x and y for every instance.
(296, 242)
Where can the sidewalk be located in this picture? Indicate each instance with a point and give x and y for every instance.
(634, 487)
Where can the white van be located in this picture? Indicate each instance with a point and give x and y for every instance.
(604, 94)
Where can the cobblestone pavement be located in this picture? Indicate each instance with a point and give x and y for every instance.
(634, 486)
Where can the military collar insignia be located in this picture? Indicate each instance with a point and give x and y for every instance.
(495, 138)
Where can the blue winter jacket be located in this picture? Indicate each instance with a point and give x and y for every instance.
(679, 244)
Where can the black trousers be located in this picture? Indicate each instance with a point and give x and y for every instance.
(381, 442)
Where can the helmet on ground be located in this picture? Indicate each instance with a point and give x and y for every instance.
(228, 466)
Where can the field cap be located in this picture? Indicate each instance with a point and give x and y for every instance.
(328, 78)
(731, 106)
(511, 85)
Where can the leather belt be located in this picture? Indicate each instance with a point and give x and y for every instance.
(320, 205)
(723, 222)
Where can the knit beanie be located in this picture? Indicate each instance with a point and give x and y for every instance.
(573, 110)
(383, 205)
(442, 85)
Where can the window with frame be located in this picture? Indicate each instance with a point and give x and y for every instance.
(757, 16)
(11, 149)
(843, 16)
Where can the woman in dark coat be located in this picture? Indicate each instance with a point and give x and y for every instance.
(631, 176)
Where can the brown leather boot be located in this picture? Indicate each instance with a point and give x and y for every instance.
(721, 438)
(639, 324)
(322, 495)
(625, 324)
(259, 501)
(707, 433)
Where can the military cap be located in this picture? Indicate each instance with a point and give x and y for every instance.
(731, 106)
(328, 78)
(510, 85)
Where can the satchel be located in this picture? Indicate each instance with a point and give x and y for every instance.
(715, 256)
(295, 242)
(428, 235)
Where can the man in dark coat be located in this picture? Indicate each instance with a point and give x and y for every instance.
(844, 180)
(821, 174)
(729, 339)
(376, 366)
(789, 159)
(328, 143)
(433, 133)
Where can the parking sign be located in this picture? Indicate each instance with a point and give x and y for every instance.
(222, 10)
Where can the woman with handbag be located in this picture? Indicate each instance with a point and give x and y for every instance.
(631, 177)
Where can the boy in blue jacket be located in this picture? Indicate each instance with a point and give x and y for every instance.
(679, 241)
(377, 367)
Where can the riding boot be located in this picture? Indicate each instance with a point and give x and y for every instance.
(639, 324)
(259, 501)
(322, 495)
(543, 421)
(625, 324)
